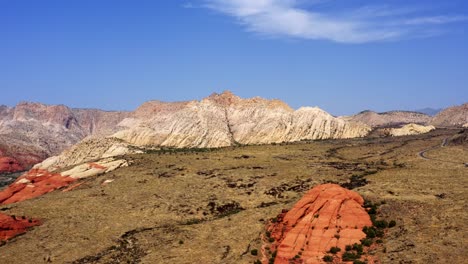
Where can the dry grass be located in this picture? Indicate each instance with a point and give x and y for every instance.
(210, 207)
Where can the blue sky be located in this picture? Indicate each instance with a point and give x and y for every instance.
(343, 56)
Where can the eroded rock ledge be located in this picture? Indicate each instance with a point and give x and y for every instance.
(327, 216)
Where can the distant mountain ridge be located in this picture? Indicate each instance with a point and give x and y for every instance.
(429, 111)
(452, 116)
(389, 118)
(31, 132)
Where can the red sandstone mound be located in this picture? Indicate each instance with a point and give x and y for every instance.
(13, 226)
(327, 216)
(9, 165)
(34, 183)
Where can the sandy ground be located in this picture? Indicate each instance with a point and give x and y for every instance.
(210, 207)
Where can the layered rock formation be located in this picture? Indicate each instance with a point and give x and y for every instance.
(455, 116)
(225, 120)
(88, 158)
(41, 179)
(327, 216)
(11, 226)
(391, 118)
(9, 165)
(31, 132)
(410, 129)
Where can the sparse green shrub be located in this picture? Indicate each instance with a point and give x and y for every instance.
(366, 242)
(348, 248)
(257, 262)
(358, 248)
(369, 231)
(327, 258)
(254, 252)
(271, 260)
(334, 250)
(381, 224)
(392, 224)
(271, 240)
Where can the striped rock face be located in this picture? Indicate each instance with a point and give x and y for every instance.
(34, 183)
(9, 165)
(327, 216)
(39, 181)
(13, 226)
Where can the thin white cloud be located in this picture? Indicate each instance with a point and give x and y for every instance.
(436, 20)
(363, 24)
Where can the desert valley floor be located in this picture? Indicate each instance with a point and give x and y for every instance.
(211, 206)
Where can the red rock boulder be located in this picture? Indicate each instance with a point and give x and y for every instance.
(327, 216)
(12, 226)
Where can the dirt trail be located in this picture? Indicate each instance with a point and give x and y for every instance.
(422, 153)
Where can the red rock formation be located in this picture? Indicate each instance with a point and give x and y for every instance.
(9, 165)
(96, 166)
(13, 226)
(34, 183)
(327, 216)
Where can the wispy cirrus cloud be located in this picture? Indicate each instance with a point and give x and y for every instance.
(354, 25)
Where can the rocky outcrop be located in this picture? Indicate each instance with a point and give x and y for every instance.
(42, 179)
(327, 216)
(9, 165)
(386, 119)
(88, 150)
(225, 120)
(455, 116)
(31, 132)
(34, 183)
(11, 226)
(90, 157)
(410, 129)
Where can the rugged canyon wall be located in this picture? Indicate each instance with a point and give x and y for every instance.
(225, 119)
(31, 132)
